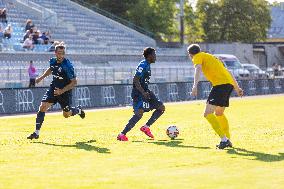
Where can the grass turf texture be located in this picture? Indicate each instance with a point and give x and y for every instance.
(75, 153)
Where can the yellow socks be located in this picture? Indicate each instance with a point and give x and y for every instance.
(211, 118)
(224, 125)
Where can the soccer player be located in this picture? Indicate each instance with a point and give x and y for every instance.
(60, 90)
(223, 83)
(144, 100)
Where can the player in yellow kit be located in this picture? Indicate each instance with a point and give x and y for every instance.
(223, 83)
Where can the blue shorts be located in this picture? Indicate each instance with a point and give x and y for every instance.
(147, 105)
(65, 99)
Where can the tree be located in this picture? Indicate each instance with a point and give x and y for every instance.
(193, 27)
(234, 20)
(157, 16)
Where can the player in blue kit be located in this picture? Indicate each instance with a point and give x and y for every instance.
(144, 100)
(60, 90)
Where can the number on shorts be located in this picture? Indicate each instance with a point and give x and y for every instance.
(146, 105)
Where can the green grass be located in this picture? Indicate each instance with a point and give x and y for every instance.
(75, 153)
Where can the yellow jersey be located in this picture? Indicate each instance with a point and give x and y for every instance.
(213, 69)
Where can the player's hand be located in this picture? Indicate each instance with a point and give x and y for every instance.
(146, 95)
(194, 91)
(239, 91)
(58, 92)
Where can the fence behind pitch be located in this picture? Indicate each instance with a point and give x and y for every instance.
(23, 100)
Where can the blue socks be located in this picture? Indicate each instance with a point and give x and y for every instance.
(75, 111)
(39, 119)
(156, 114)
(135, 118)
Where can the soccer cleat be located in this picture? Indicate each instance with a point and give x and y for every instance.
(33, 136)
(82, 114)
(147, 131)
(122, 137)
(223, 145)
(230, 144)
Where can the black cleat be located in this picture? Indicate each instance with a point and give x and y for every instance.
(230, 144)
(33, 136)
(82, 114)
(223, 145)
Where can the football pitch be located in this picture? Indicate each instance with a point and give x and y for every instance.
(74, 153)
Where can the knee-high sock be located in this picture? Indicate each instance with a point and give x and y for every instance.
(211, 118)
(156, 114)
(75, 111)
(224, 125)
(39, 119)
(131, 123)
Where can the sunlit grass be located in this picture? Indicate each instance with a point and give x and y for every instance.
(75, 153)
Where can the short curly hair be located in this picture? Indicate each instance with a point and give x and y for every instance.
(148, 51)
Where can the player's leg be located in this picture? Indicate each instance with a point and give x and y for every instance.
(154, 103)
(138, 114)
(156, 114)
(212, 119)
(65, 101)
(219, 112)
(44, 106)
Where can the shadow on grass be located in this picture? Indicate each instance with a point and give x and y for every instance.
(176, 143)
(81, 145)
(256, 155)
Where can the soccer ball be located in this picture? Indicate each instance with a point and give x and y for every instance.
(172, 131)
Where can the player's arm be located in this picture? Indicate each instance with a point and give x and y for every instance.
(44, 75)
(237, 88)
(197, 71)
(68, 87)
(139, 87)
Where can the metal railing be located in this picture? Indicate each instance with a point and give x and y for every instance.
(18, 76)
(116, 18)
(48, 16)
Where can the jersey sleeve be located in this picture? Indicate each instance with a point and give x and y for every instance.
(140, 70)
(70, 71)
(197, 60)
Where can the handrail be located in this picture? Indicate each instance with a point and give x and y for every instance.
(116, 18)
(48, 16)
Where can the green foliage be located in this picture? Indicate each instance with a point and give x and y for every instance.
(234, 20)
(157, 16)
(212, 21)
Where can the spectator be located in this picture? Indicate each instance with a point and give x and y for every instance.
(28, 43)
(32, 74)
(3, 16)
(8, 31)
(44, 38)
(36, 37)
(29, 25)
(27, 34)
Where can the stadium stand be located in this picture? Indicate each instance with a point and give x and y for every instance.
(103, 51)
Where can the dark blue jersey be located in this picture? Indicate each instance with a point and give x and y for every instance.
(62, 73)
(143, 71)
